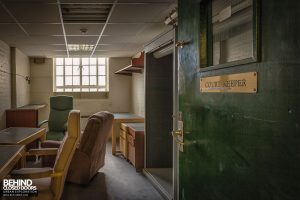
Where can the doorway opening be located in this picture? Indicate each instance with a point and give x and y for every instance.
(158, 118)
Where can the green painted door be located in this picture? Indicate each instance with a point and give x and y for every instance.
(242, 146)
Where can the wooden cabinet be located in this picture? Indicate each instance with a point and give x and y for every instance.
(134, 143)
(26, 116)
(123, 140)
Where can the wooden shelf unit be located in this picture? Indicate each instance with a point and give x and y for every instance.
(137, 66)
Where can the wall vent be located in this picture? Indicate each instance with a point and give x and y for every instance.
(38, 60)
(85, 13)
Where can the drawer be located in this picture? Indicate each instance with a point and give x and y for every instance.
(130, 139)
(123, 147)
(123, 134)
(131, 154)
(123, 127)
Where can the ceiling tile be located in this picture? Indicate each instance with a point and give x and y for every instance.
(34, 12)
(117, 39)
(30, 1)
(86, 1)
(138, 13)
(43, 29)
(4, 16)
(123, 29)
(114, 53)
(82, 39)
(9, 30)
(146, 1)
(119, 47)
(92, 29)
(17, 41)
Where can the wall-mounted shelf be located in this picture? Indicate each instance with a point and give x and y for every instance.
(137, 66)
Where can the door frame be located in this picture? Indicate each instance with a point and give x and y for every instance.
(175, 119)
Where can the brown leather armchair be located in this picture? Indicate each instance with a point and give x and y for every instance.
(50, 181)
(90, 154)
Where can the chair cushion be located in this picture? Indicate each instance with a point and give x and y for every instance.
(43, 186)
(57, 136)
(61, 102)
(57, 120)
(60, 108)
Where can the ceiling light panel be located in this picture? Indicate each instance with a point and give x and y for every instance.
(85, 13)
(80, 47)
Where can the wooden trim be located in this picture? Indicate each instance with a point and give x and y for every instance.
(9, 165)
(40, 134)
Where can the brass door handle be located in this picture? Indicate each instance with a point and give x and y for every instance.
(181, 44)
(177, 133)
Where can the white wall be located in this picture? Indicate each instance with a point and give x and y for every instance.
(138, 94)
(118, 100)
(41, 85)
(5, 82)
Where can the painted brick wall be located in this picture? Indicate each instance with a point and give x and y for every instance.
(5, 82)
(23, 88)
(138, 94)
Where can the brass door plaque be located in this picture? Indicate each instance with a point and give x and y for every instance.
(235, 83)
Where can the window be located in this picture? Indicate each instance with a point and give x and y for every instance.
(81, 75)
(228, 32)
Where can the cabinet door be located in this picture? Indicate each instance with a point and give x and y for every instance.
(21, 118)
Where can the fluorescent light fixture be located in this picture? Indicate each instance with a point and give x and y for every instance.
(80, 47)
(171, 19)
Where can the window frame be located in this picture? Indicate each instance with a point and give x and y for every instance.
(97, 87)
(206, 40)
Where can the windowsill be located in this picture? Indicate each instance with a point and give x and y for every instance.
(85, 95)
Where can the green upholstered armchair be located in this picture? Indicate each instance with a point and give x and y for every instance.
(60, 106)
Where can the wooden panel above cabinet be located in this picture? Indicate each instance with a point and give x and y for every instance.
(137, 66)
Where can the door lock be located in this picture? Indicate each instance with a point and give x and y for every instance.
(175, 135)
(181, 44)
(178, 134)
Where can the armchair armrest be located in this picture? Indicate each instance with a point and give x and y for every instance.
(42, 123)
(42, 152)
(34, 173)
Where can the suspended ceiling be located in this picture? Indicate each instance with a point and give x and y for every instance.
(115, 28)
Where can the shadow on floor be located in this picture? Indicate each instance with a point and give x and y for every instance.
(96, 189)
